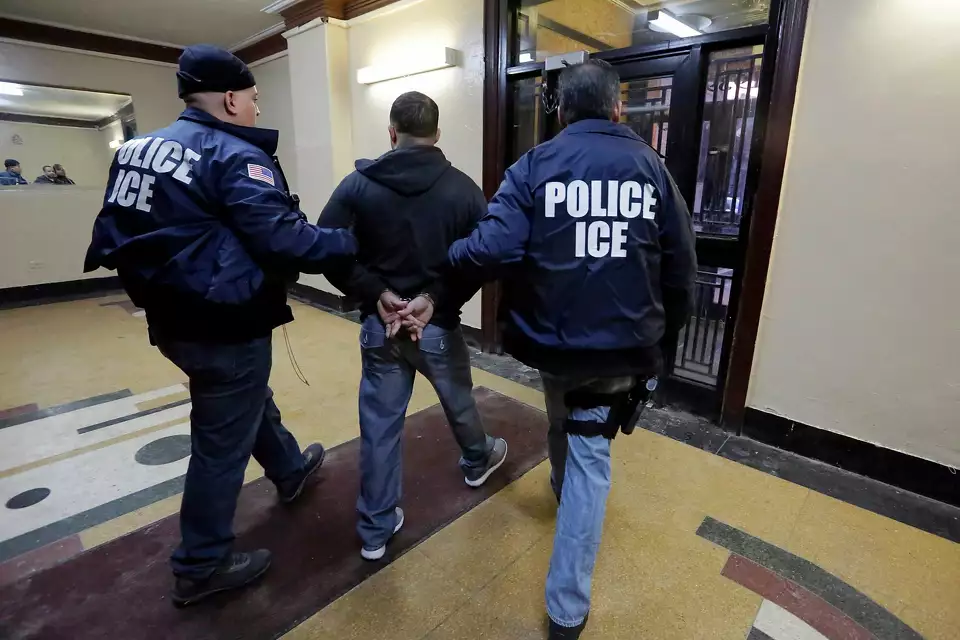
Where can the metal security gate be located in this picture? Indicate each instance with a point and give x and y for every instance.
(726, 130)
(714, 96)
(695, 100)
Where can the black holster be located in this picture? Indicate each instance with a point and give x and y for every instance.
(625, 409)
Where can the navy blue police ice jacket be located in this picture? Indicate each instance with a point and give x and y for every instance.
(600, 253)
(203, 232)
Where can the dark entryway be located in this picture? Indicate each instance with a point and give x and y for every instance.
(700, 101)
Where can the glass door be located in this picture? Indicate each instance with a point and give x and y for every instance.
(696, 108)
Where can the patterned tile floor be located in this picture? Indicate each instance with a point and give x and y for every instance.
(92, 426)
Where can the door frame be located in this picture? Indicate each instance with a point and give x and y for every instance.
(782, 38)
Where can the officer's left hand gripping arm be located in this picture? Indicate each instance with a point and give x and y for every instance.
(501, 236)
(271, 228)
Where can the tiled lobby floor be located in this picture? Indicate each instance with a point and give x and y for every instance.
(481, 576)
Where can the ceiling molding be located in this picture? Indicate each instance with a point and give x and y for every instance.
(355, 8)
(257, 37)
(50, 121)
(271, 58)
(84, 52)
(274, 8)
(267, 43)
(109, 34)
(261, 49)
(304, 11)
(393, 7)
(49, 35)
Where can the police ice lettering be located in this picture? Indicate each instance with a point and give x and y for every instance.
(602, 238)
(153, 156)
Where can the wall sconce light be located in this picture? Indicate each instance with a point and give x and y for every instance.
(438, 58)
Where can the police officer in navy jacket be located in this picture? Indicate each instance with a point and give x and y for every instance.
(598, 247)
(199, 223)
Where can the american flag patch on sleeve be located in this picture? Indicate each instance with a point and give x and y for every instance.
(263, 174)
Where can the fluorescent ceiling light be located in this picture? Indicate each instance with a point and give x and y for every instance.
(525, 57)
(10, 89)
(666, 22)
(438, 58)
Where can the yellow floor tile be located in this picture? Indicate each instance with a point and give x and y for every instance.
(404, 601)
(477, 547)
(902, 568)
(58, 353)
(509, 607)
(699, 484)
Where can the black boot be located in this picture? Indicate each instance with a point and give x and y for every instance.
(313, 456)
(558, 632)
(238, 570)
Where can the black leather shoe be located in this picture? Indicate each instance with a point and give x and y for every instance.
(238, 570)
(558, 632)
(313, 457)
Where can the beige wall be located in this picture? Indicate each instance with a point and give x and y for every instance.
(321, 117)
(82, 152)
(45, 234)
(276, 112)
(458, 91)
(860, 331)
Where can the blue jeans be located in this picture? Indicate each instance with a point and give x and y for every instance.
(389, 370)
(233, 415)
(580, 473)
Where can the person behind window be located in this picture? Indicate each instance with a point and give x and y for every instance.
(49, 176)
(11, 174)
(61, 174)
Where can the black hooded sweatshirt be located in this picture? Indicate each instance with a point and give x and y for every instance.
(406, 208)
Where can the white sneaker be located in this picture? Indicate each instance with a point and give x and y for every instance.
(376, 554)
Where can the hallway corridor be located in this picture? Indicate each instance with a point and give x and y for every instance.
(93, 447)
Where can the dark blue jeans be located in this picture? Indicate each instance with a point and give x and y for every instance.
(233, 416)
(389, 370)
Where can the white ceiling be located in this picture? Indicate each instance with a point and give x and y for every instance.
(177, 22)
(63, 103)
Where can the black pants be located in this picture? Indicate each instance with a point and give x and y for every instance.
(233, 416)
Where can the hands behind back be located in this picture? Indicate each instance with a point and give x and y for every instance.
(398, 314)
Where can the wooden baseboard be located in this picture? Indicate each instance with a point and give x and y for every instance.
(924, 477)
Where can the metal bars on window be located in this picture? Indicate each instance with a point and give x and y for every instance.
(646, 109)
(733, 81)
(700, 344)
